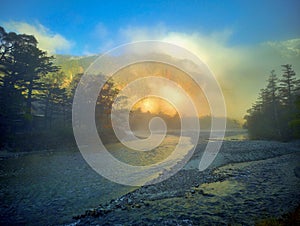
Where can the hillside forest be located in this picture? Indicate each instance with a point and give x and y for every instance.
(36, 94)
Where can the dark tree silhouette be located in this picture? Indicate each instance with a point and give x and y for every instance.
(22, 64)
(276, 113)
(288, 85)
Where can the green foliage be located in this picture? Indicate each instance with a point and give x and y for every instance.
(21, 66)
(294, 124)
(74, 65)
(36, 95)
(276, 114)
(103, 109)
(29, 81)
(295, 127)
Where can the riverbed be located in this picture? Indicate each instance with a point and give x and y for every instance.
(51, 187)
(248, 181)
(48, 188)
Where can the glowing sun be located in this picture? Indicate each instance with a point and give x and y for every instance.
(155, 105)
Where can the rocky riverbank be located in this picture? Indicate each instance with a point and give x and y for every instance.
(248, 181)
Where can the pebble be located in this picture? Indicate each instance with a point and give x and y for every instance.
(137, 205)
(129, 201)
(242, 205)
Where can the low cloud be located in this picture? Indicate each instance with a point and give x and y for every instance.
(289, 48)
(241, 70)
(47, 40)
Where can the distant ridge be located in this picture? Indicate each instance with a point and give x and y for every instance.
(72, 65)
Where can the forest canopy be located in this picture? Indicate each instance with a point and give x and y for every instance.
(36, 94)
(276, 113)
(31, 91)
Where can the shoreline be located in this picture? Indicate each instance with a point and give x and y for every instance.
(61, 184)
(227, 170)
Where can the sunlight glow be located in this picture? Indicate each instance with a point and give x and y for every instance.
(155, 106)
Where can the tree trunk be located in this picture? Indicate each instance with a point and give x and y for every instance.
(28, 112)
(46, 113)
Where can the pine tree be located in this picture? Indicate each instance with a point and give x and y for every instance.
(288, 85)
(276, 113)
(22, 64)
(272, 103)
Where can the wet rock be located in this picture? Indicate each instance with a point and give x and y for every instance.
(170, 222)
(201, 192)
(91, 212)
(243, 204)
(106, 211)
(137, 205)
(159, 219)
(187, 195)
(129, 201)
(187, 222)
(77, 217)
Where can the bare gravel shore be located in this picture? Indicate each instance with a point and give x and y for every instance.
(248, 181)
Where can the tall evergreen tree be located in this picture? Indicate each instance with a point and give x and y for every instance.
(11, 98)
(272, 104)
(35, 64)
(22, 64)
(288, 85)
(276, 114)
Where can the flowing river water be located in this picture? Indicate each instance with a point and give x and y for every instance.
(50, 187)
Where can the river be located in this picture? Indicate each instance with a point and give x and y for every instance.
(50, 187)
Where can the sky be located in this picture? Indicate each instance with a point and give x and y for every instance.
(240, 41)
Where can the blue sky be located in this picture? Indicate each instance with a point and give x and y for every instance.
(250, 21)
(240, 41)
